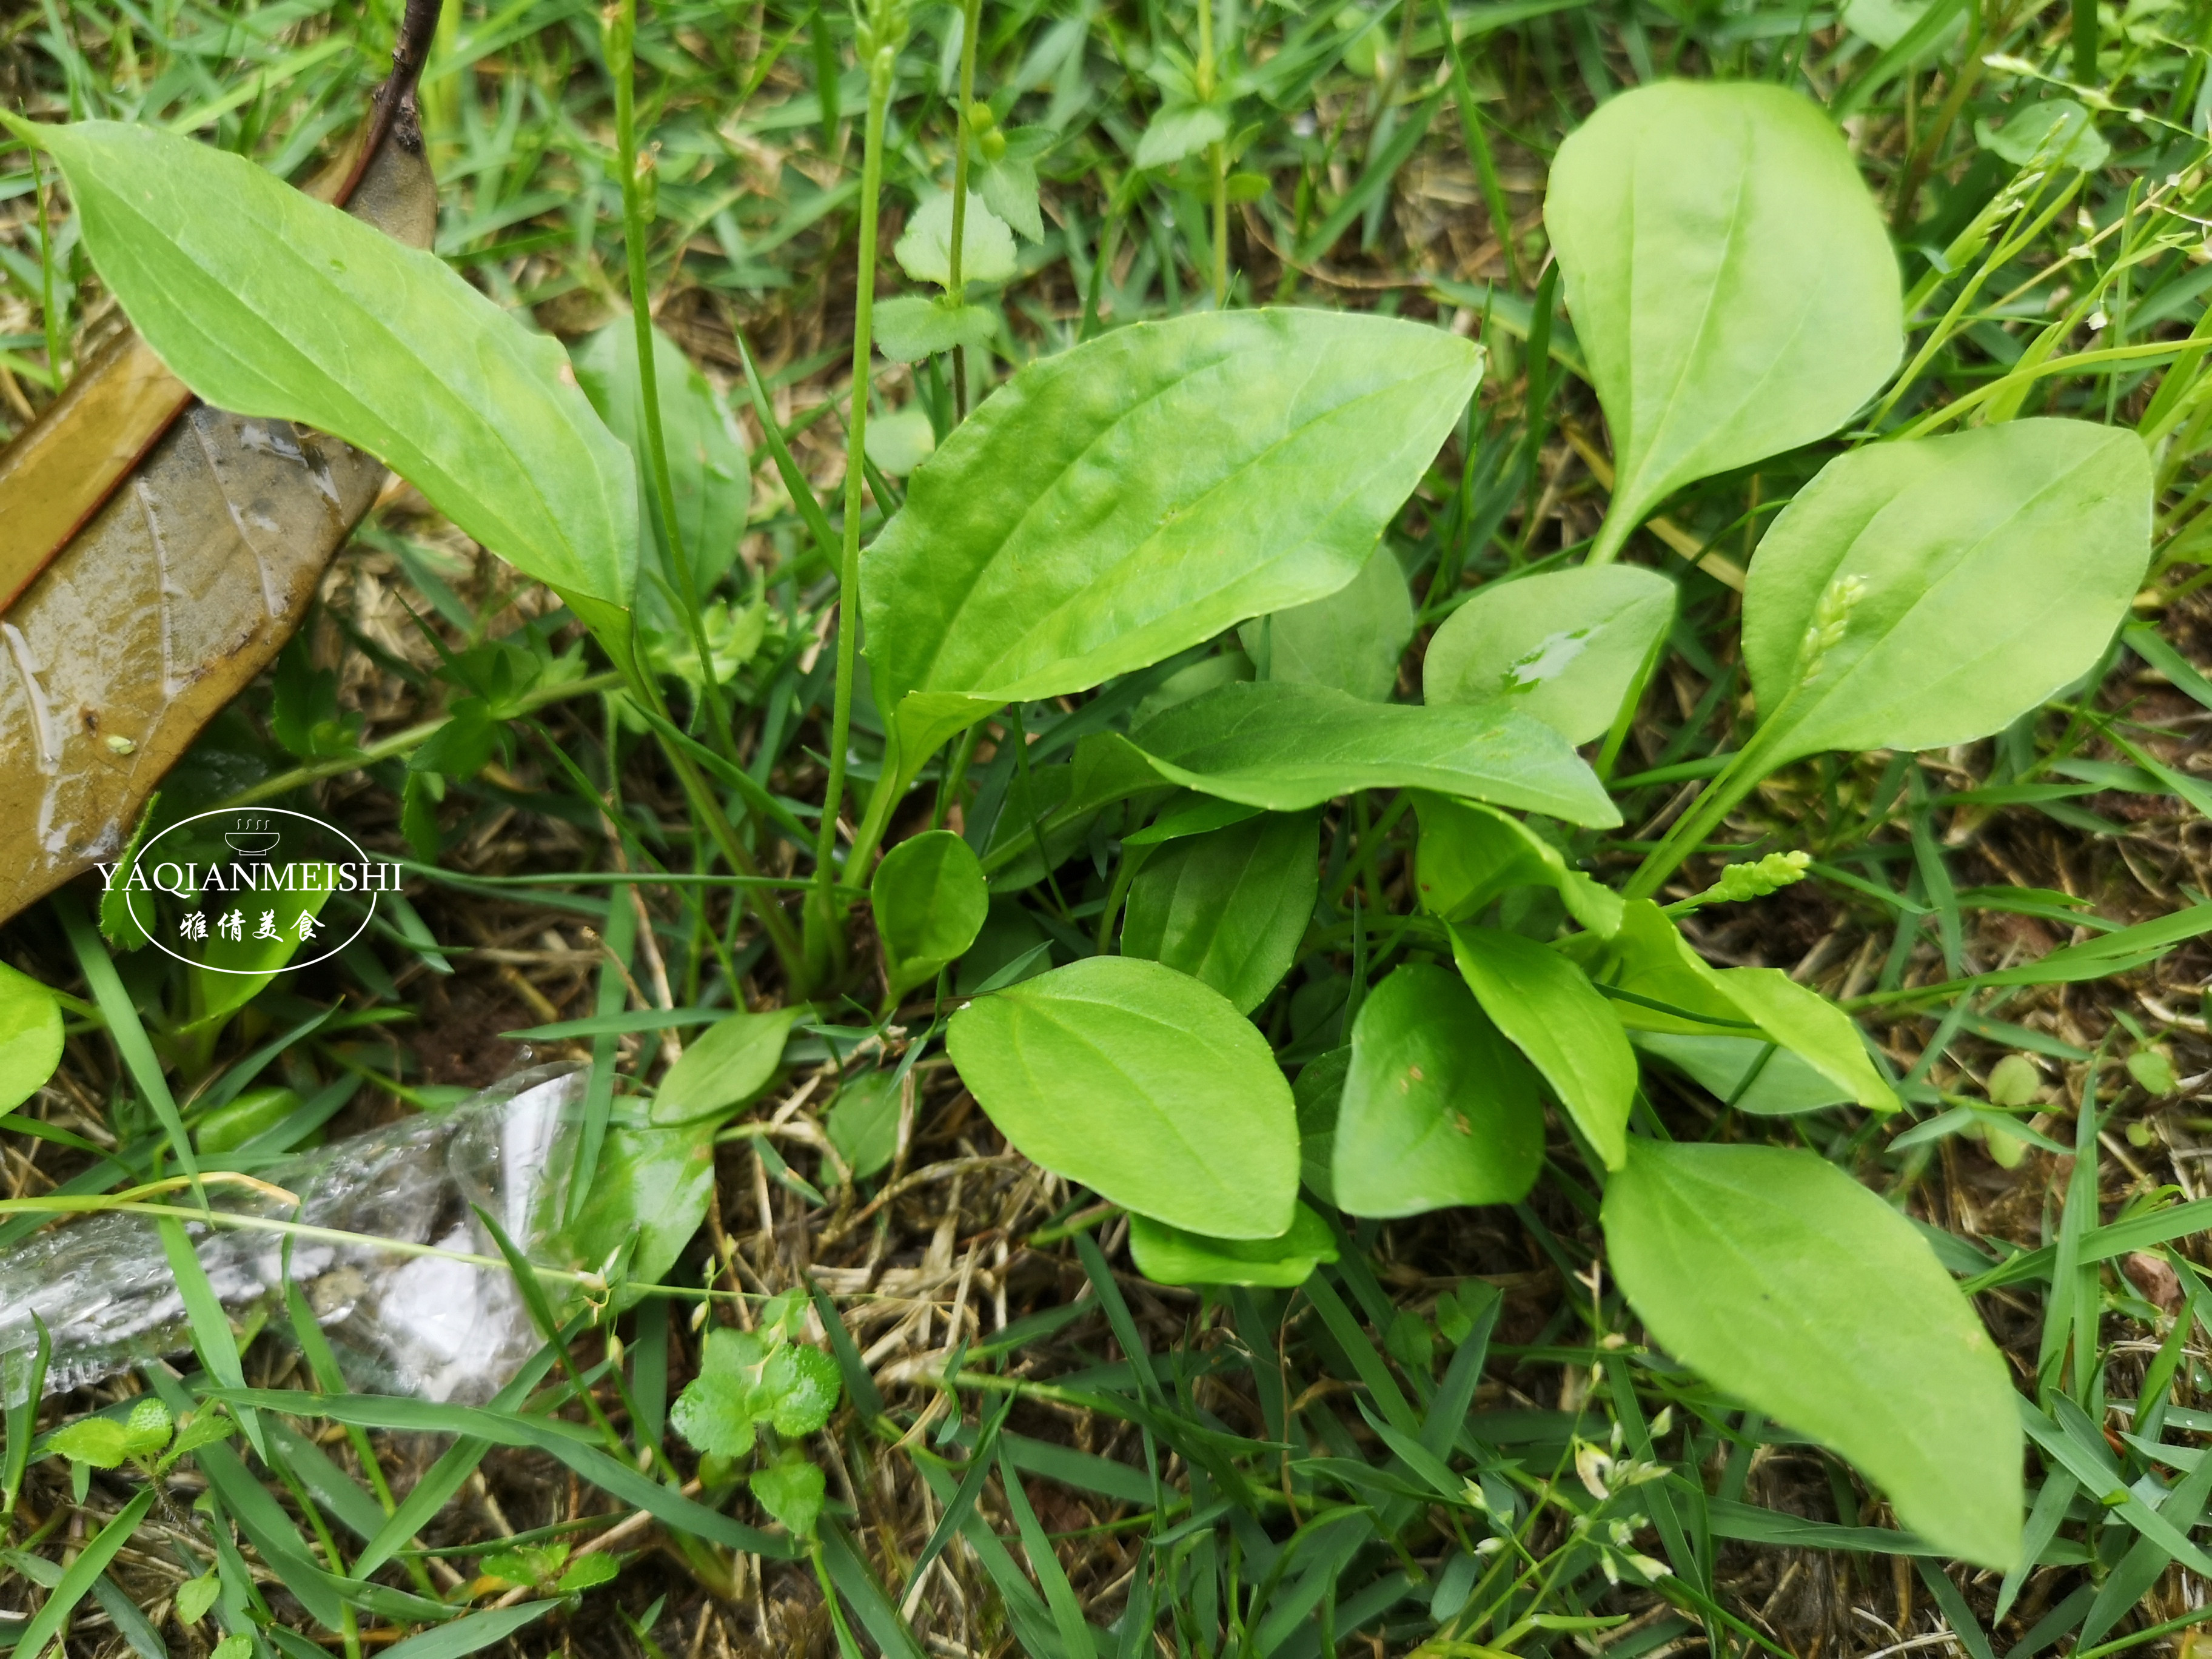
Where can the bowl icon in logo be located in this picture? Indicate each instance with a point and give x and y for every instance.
(253, 838)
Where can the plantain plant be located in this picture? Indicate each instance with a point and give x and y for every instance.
(1184, 522)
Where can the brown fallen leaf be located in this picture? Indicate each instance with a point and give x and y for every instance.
(158, 552)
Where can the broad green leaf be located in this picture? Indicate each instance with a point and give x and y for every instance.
(1351, 640)
(707, 472)
(1287, 747)
(986, 247)
(1142, 1084)
(1733, 290)
(1177, 131)
(792, 1491)
(30, 1036)
(909, 328)
(1169, 1256)
(1670, 989)
(382, 345)
(1437, 1109)
(1781, 1279)
(1229, 907)
(2057, 132)
(1918, 594)
(930, 901)
(653, 1184)
(1566, 646)
(728, 1065)
(863, 1122)
(1544, 1004)
(1469, 854)
(1120, 502)
(1749, 1073)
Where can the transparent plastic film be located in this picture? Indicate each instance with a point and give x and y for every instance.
(401, 1314)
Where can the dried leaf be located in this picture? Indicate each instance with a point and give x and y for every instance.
(190, 569)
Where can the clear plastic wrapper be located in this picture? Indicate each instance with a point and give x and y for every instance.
(399, 1320)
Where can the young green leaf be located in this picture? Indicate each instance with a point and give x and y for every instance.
(384, 346)
(909, 328)
(930, 903)
(1781, 1279)
(1350, 640)
(792, 1491)
(986, 247)
(1731, 284)
(1229, 907)
(1169, 1256)
(587, 1572)
(1009, 187)
(1468, 854)
(1547, 1008)
(1142, 1084)
(729, 1064)
(100, 1441)
(1437, 1109)
(1180, 129)
(1564, 647)
(1119, 503)
(1924, 593)
(196, 1595)
(1289, 747)
(30, 1036)
(720, 1410)
(707, 472)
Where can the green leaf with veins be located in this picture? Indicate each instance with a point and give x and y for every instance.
(1142, 1082)
(1732, 287)
(385, 346)
(1439, 1109)
(1924, 593)
(792, 1491)
(725, 1068)
(1549, 1011)
(1289, 747)
(1113, 504)
(1671, 988)
(1229, 906)
(1782, 1280)
(1566, 646)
